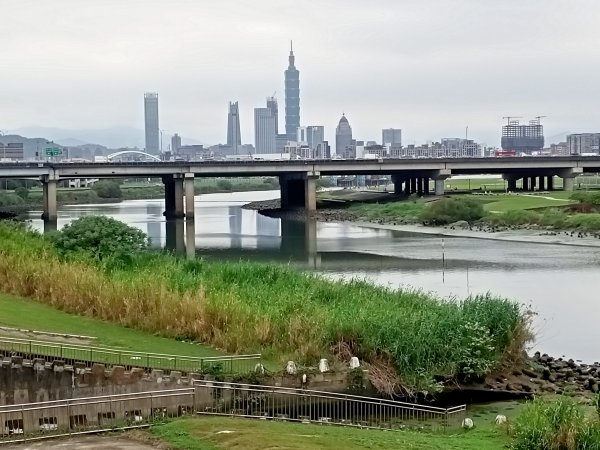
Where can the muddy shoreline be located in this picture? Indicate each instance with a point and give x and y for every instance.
(332, 213)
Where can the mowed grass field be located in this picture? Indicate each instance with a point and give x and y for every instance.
(226, 433)
(29, 315)
(511, 202)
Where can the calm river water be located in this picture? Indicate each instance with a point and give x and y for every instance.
(559, 282)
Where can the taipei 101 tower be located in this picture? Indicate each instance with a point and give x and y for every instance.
(292, 98)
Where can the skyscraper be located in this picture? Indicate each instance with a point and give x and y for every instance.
(264, 130)
(343, 139)
(272, 105)
(391, 136)
(175, 144)
(234, 139)
(151, 122)
(292, 98)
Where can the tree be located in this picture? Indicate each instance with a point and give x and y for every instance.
(101, 238)
(107, 189)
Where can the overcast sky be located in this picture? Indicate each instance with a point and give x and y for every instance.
(430, 67)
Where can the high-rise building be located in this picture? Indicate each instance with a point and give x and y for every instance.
(391, 136)
(151, 123)
(292, 98)
(264, 130)
(344, 146)
(583, 143)
(175, 144)
(523, 139)
(272, 105)
(234, 138)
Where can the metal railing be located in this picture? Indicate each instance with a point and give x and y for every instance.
(87, 355)
(309, 406)
(31, 421)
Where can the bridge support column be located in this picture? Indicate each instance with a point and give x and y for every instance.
(397, 180)
(173, 196)
(440, 177)
(426, 185)
(189, 195)
(568, 177)
(310, 193)
(299, 190)
(49, 184)
(511, 182)
(407, 186)
(542, 183)
(550, 183)
(420, 183)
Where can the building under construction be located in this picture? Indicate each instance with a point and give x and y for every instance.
(523, 139)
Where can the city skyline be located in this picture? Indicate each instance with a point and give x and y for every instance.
(519, 61)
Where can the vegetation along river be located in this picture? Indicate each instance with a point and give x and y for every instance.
(558, 282)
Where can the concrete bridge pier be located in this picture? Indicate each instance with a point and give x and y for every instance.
(188, 184)
(568, 177)
(299, 190)
(173, 196)
(550, 182)
(511, 182)
(49, 185)
(542, 183)
(397, 180)
(440, 176)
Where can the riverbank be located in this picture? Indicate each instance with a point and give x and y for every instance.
(403, 216)
(418, 341)
(11, 202)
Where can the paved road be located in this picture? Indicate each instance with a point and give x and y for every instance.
(83, 443)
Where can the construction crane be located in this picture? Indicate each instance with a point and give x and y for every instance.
(510, 117)
(537, 118)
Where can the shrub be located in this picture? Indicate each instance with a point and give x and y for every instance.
(22, 192)
(101, 238)
(107, 189)
(592, 198)
(449, 210)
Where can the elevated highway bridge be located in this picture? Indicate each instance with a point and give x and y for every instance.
(298, 177)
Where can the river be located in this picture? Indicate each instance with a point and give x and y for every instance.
(558, 282)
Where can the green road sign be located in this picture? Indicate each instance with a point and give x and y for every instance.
(53, 151)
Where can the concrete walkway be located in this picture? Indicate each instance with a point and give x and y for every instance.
(83, 443)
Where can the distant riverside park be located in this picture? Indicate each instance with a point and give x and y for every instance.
(475, 288)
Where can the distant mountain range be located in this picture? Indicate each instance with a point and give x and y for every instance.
(112, 138)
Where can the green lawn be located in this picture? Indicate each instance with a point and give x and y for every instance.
(27, 314)
(503, 203)
(209, 433)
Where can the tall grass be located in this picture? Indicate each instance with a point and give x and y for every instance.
(555, 218)
(246, 307)
(555, 425)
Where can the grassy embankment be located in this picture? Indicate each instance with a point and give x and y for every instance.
(542, 424)
(278, 311)
(557, 210)
(206, 433)
(27, 314)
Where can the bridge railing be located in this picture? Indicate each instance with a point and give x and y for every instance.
(89, 355)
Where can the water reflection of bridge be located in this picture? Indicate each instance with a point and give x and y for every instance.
(293, 242)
